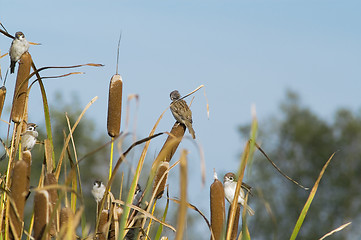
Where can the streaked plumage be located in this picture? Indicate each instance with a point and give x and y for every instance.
(181, 111)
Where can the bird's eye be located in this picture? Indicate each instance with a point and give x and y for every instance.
(231, 178)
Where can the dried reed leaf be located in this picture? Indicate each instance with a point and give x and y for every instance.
(235, 221)
(58, 168)
(21, 86)
(115, 105)
(48, 155)
(217, 202)
(182, 211)
(233, 207)
(2, 98)
(279, 170)
(146, 214)
(335, 230)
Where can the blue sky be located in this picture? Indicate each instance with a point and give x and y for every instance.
(244, 52)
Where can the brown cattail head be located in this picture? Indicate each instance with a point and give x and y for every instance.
(163, 167)
(218, 214)
(50, 179)
(66, 223)
(20, 92)
(27, 159)
(41, 214)
(102, 234)
(18, 191)
(171, 144)
(2, 98)
(115, 105)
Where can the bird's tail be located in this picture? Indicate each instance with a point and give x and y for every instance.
(12, 67)
(191, 130)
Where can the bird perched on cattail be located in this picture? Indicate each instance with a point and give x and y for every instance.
(181, 111)
(19, 46)
(29, 137)
(230, 184)
(98, 191)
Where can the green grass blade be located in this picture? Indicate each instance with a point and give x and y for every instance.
(302, 216)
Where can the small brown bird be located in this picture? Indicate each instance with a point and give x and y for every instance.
(181, 111)
(19, 46)
(230, 184)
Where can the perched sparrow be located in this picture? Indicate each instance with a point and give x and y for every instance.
(19, 46)
(181, 111)
(98, 190)
(230, 184)
(29, 137)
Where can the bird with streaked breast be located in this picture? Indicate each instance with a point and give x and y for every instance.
(181, 111)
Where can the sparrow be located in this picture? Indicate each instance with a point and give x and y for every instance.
(181, 111)
(19, 46)
(29, 137)
(98, 190)
(230, 184)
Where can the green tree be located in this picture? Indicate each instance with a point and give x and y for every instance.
(300, 143)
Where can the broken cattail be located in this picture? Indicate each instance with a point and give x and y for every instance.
(18, 191)
(2, 98)
(163, 167)
(217, 207)
(41, 214)
(50, 179)
(20, 92)
(115, 105)
(172, 142)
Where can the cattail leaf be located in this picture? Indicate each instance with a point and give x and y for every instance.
(307, 205)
